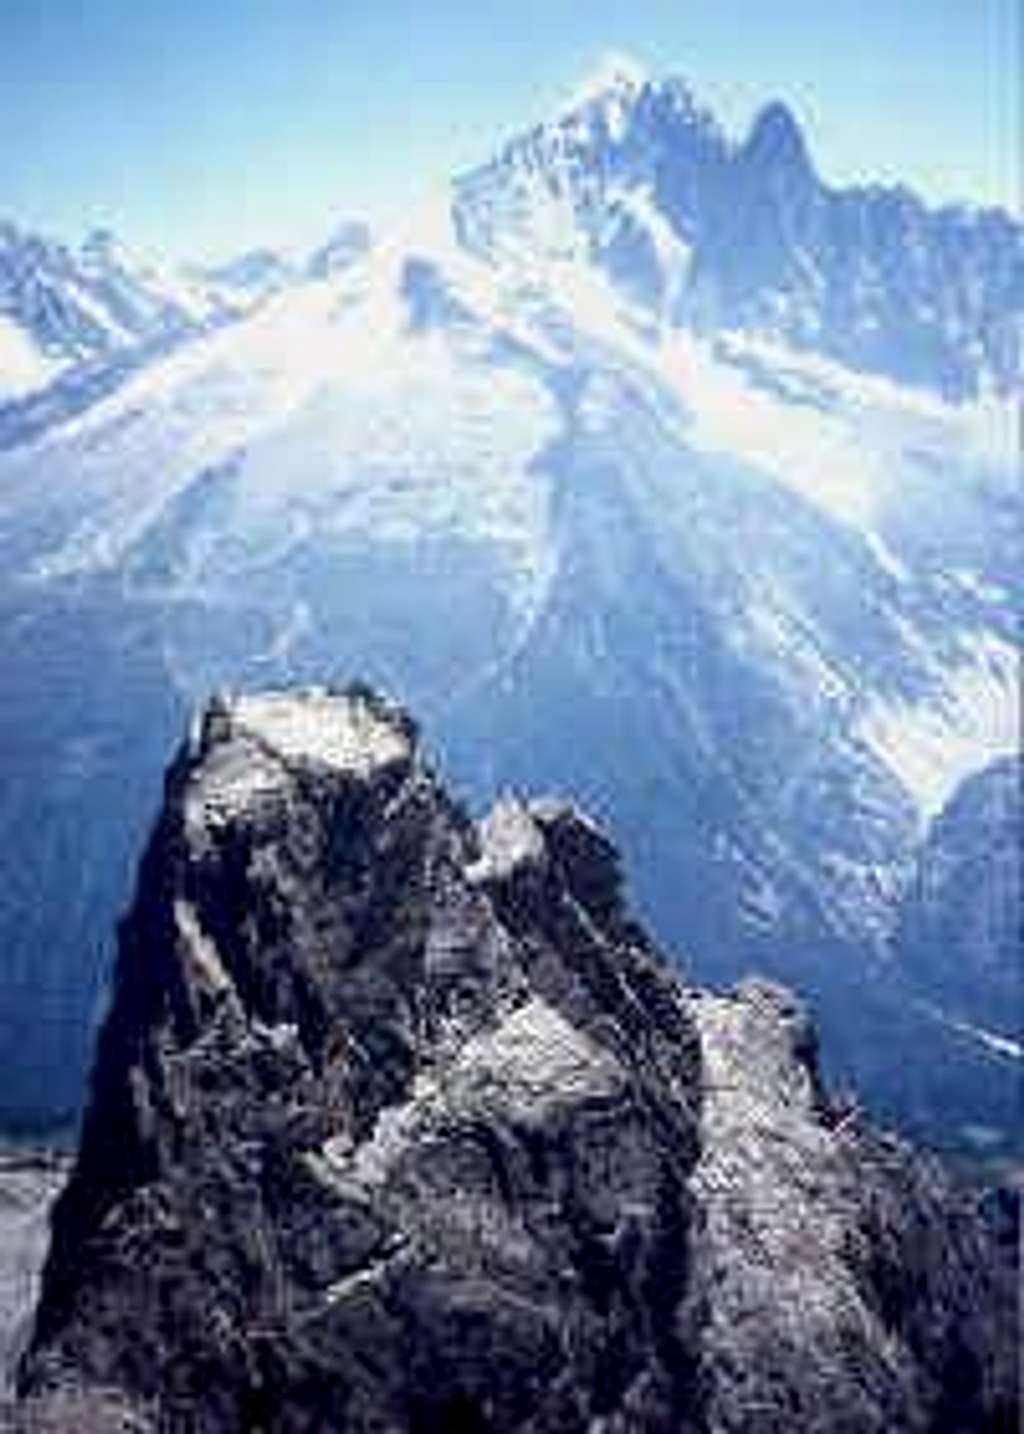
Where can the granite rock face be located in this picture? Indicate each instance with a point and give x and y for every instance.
(400, 1123)
(30, 1179)
(848, 1285)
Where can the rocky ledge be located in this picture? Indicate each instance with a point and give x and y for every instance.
(31, 1176)
(401, 1123)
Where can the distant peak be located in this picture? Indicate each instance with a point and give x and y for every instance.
(101, 242)
(776, 137)
(348, 242)
(614, 74)
(100, 238)
(102, 247)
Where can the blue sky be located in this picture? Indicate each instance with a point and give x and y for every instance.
(202, 126)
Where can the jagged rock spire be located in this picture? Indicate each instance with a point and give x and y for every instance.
(401, 1123)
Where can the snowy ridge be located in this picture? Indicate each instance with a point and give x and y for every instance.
(67, 307)
(62, 308)
(934, 298)
(990, 1041)
(608, 92)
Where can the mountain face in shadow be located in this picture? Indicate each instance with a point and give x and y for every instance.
(960, 927)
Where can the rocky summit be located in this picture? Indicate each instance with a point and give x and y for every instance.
(400, 1123)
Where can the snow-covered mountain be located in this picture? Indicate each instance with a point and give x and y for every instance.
(750, 604)
(66, 312)
(246, 278)
(347, 244)
(59, 307)
(76, 325)
(711, 234)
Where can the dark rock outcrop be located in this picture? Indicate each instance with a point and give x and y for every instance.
(398, 1123)
(30, 1178)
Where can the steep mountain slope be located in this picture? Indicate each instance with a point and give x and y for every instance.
(753, 606)
(401, 1123)
(959, 933)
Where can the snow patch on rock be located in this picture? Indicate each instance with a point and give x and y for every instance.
(343, 732)
(509, 839)
(933, 746)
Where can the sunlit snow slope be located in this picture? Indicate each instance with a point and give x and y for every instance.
(751, 606)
